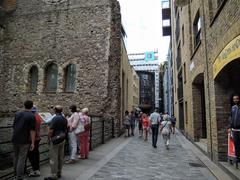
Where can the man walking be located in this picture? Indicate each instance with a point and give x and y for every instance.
(235, 127)
(23, 138)
(155, 121)
(57, 130)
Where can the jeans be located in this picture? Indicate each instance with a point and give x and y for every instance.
(132, 128)
(154, 134)
(236, 138)
(20, 155)
(33, 156)
(73, 145)
(56, 153)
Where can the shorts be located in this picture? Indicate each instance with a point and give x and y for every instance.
(173, 124)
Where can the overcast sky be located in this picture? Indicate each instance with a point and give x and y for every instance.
(142, 22)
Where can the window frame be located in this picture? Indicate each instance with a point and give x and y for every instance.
(197, 30)
(46, 87)
(67, 78)
(30, 79)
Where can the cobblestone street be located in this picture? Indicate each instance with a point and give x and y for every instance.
(132, 158)
(138, 160)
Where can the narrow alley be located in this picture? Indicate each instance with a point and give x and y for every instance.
(132, 158)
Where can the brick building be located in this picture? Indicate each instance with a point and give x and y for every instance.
(205, 39)
(60, 52)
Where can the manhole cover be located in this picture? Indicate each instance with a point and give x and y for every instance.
(197, 165)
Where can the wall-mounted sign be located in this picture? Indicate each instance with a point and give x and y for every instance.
(47, 117)
(149, 56)
(228, 54)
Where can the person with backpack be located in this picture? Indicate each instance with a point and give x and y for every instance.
(166, 129)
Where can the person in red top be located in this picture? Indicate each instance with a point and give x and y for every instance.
(145, 125)
(33, 156)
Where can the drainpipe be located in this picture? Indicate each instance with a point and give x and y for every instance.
(207, 70)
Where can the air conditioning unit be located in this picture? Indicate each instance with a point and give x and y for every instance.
(181, 2)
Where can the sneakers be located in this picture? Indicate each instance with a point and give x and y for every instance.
(70, 161)
(34, 173)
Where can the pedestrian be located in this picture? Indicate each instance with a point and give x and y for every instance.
(165, 129)
(132, 122)
(155, 121)
(84, 136)
(173, 121)
(33, 156)
(56, 139)
(73, 121)
(140, 127)
(23, 138)
(234, 127)
(126, 123)
(145, 125)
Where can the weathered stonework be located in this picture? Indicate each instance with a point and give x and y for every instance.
(85, 33)
(81, 32)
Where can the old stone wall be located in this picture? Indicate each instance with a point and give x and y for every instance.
(80, 32)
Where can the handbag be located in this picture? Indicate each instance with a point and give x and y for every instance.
(58, 138)
(79, 128)
(87, 127)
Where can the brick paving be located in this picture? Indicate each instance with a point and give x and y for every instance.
(139, 160)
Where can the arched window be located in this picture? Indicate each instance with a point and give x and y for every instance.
(51, 78)
(33, 79)
(70, 77)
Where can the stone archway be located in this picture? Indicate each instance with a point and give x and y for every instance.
(199, 110)
(226, 84)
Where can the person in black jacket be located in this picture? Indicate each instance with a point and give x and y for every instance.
(235, 126)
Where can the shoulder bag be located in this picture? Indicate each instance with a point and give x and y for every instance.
(80, 128)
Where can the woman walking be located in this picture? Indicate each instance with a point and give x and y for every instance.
(166, 129)
(84, 136)
(126, 123)
(145, 125)
(140, 127)
(72, 124)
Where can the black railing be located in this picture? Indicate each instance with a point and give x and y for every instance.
(101, 131)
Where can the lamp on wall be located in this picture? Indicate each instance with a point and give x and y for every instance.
(181, 2)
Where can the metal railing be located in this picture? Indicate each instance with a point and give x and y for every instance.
(101, 131)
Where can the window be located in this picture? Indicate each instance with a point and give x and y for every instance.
(51, 78)
(197, 26)
(70, 78)
(33, 79)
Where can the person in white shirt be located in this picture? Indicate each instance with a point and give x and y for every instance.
(155, 121)
(166, 129)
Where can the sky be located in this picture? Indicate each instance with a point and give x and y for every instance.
(143, 25)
